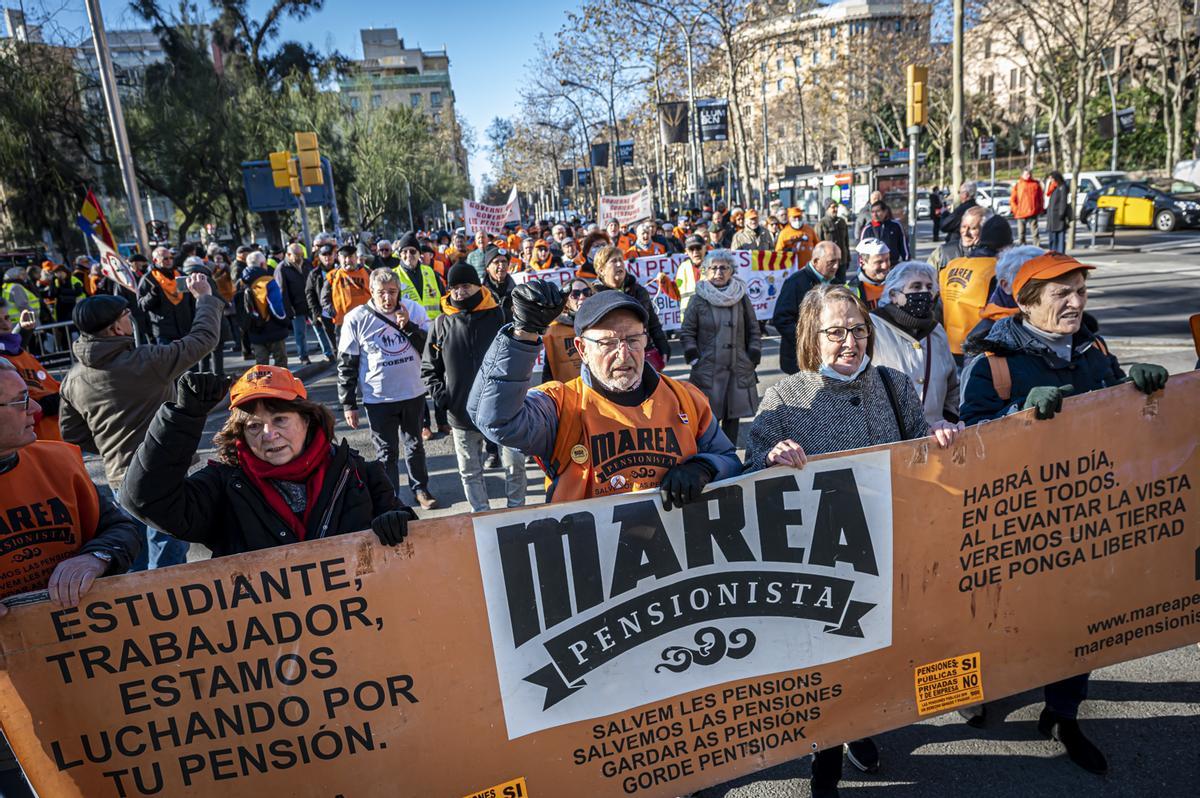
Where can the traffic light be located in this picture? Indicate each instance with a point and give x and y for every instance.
(280, 169)
(918, 111)
(310, 159)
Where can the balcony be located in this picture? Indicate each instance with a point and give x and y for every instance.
(365, 80)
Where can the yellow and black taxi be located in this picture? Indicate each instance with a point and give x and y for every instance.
(1163, 205)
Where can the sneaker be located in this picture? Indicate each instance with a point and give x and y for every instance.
(444, 429)
(1080, 749)
(863, 754)
(493, 462)
(426, 500)
(426, 434)
(304, 361)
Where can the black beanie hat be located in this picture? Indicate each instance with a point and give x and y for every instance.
(995, 234)
(93, 314)
(407, 241)
(462, 273)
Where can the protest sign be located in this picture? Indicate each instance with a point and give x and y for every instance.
(491, 218)
(626, 209)
(608, 646)
(114, 267)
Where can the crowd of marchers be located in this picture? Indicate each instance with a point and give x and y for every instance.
(431, 335)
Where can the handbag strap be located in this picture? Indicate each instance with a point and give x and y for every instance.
(891, 395)
(928, 368)
(390, 322)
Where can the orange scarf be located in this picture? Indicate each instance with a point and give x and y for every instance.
(167, 284)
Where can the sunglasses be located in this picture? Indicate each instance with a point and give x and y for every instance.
(581, 293)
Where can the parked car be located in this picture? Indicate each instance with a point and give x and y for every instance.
(995, 198)
(922, 204)
(1094, 181)
(1139, 203)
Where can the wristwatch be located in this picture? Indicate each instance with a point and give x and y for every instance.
(102, 555)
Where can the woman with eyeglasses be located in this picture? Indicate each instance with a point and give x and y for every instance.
(722, 342)
(838, 400)
(611, 274)
(562, 358)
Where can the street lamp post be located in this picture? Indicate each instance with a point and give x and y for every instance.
(693, 122)
(615, 140)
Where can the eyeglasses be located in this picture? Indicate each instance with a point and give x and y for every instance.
(838, 334)
(634, 343)
(719, 269)
(581, 293)
(22, 403)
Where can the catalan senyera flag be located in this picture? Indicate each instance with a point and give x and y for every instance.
(765, 260)
(92, 222)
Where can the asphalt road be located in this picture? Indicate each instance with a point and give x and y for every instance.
(1144, 714)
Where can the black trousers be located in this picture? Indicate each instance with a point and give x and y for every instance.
(396, 424)
(827, 767)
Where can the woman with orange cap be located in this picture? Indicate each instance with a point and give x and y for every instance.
(278, 476)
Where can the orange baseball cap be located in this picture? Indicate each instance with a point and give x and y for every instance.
(266, 382)
(751, 214)
(795, 213)
(1046, 267)
(541, 242)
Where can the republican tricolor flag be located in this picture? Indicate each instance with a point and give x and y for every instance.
(92, 222)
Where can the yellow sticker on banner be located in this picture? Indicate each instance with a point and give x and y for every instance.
(509, 789)
(949, 683)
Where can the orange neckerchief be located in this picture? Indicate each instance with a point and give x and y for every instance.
(167, 284)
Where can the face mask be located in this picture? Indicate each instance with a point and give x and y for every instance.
(829, 371)
(919, 304)
(795, 223)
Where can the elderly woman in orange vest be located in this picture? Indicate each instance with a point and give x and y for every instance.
(618, 427)
(562, 360)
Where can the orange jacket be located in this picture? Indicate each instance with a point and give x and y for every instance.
(655, 248)
(799, 241)
(1027, 199)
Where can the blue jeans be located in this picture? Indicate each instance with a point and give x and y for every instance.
(300, 334)
(1058, 241)
(160, 550)
(324, 337)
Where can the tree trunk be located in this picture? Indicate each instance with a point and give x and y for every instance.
(956, 107)
(1080, 94)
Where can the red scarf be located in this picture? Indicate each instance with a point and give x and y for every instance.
(308, 468)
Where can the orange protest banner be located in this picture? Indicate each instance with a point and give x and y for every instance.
(608, 647)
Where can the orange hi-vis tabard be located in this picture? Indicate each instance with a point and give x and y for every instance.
(603, 448)
(965, 285)
(41, 384)
(48, 509)
(349, 290)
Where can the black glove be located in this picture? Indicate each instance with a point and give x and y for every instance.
(535, 304)
(755, 356)
(691, 355)
(198, 393)
(1047, 399)
(392, 527)
(665, 351)
(1148, 377)
(684, 482)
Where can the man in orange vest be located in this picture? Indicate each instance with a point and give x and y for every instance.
(874, 263)
(967, 283)
(797, 237)
(347, 286)
(645, 246)
(618, 427)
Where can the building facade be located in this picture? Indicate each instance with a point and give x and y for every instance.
(389, 73)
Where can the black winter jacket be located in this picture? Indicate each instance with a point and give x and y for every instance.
(1031, 364)
(454, 352)
(293, 282)
(219, 507)
(787, 313)
(314, 285)
(167, 322)
(636, 290)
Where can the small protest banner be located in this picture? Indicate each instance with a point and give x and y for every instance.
(114, 267)
(491, 218)
(610, 646)
(628, 208)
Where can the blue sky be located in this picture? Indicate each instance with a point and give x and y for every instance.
(488, 43)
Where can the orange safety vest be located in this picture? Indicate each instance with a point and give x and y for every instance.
(965, 286)
(603, 448)
(349, 290)
(561, 354)
(40, 383)
(799, 241)
(655, 249)
(48, 509)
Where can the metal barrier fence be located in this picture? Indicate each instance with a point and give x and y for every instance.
(53, 345)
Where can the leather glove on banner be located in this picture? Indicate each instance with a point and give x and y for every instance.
(1148, 377)
(684, 483)
(198, 393)
(1047, 399)
(535, 304)
(392, 527)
